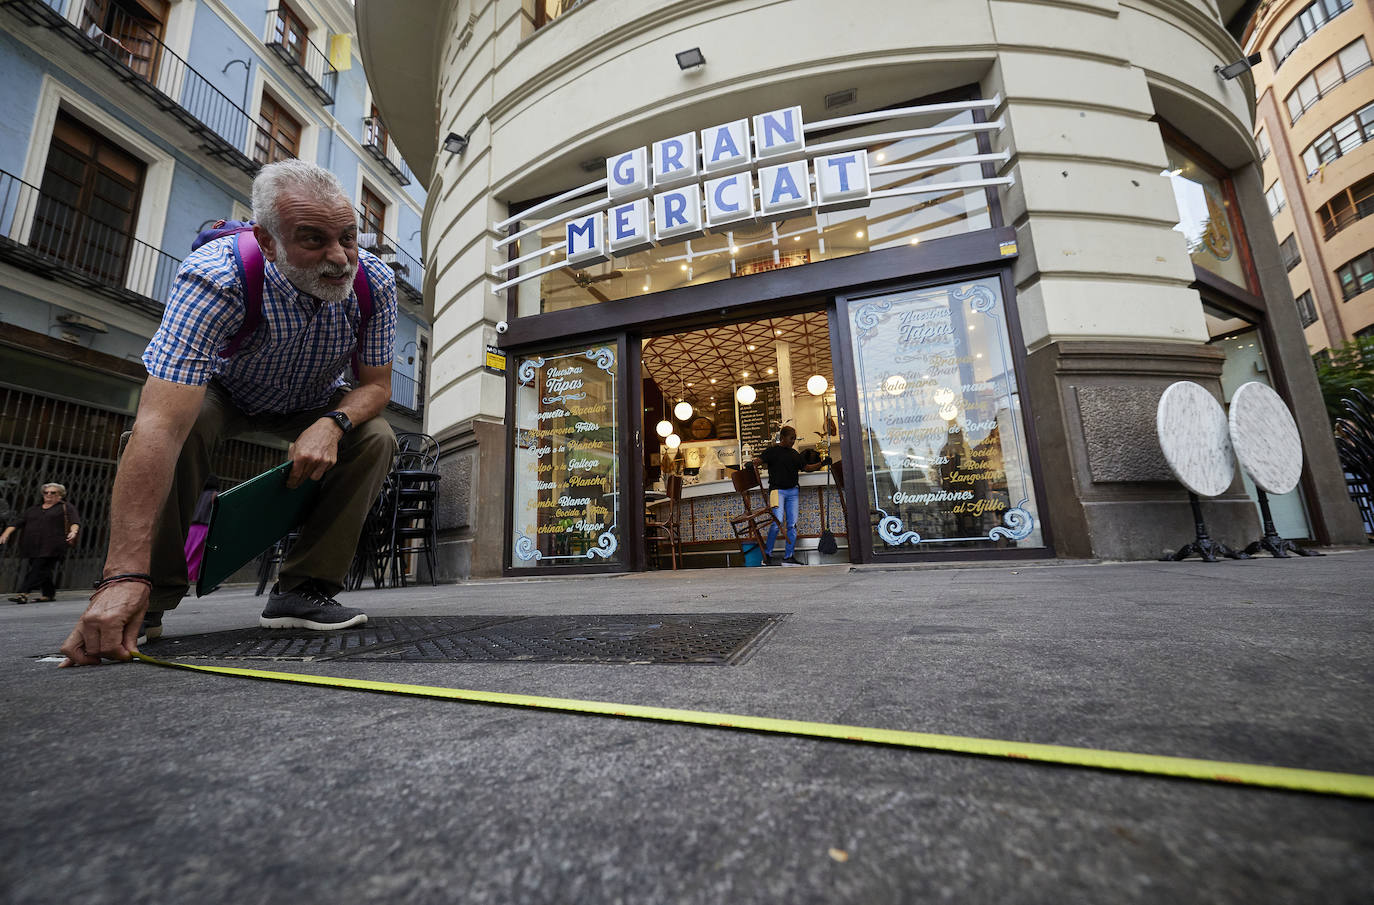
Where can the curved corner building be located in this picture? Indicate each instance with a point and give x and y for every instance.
(961, 246)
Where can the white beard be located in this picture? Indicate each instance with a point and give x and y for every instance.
(310, 280)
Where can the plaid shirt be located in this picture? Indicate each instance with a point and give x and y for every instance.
(296, 358)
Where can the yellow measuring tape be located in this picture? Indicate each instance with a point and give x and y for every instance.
(1345, 784)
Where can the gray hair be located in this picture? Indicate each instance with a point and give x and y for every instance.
(315, 182)
(60, 489)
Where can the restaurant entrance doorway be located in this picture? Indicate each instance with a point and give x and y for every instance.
(713, 399)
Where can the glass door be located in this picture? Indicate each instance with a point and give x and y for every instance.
(941, 436)
(567, 446)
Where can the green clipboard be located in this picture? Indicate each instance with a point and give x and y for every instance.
(247, 519)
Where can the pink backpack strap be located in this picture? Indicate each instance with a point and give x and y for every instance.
(252, 268)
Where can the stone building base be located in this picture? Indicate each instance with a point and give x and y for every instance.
(1109, 494)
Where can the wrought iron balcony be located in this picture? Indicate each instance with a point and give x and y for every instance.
(378, 143)
(48, 237)
(405, 394)
(298, 52)
(136, 56)
(410, 273)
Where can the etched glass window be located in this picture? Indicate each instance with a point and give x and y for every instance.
(945, 462)
(566, 463)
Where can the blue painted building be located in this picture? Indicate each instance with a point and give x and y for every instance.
(126, 126)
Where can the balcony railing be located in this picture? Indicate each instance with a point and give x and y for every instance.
(139, 59)
(410, 274)
(405, 394)
(1359, 209)
(378, 143)
(310, 64)
(46, 236)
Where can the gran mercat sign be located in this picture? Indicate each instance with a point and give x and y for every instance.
(706, 180)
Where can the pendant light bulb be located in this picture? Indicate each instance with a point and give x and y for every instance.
(673, 441)
(746, 395)
(665, 427)
(683, 410)
(816, 384)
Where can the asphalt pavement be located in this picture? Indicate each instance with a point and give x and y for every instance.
(132, 783)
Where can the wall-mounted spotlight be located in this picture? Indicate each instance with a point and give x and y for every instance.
(1238, 67)
(690, 59)
(455, 143)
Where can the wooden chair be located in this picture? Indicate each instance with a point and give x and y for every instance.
(668, 529)
(753, 522)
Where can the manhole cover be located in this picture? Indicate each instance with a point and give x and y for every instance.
(721, 638)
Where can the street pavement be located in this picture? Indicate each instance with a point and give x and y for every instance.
(132, 783)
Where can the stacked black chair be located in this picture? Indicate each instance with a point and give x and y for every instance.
(414, 489)
(374, 543)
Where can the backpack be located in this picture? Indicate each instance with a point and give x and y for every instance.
(252, 267)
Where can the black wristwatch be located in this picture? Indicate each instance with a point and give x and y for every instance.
(340, 419)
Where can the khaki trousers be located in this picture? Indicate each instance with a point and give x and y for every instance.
(330, 534)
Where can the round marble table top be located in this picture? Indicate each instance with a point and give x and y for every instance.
(1194, 438)
(1266, 438)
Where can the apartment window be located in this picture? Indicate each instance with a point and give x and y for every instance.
(1307, 312)
(128, 30)
(1308, 22)
(374, 130)
(1354, 203)
(288, 30)
(1339, 140)
(88, 201)
(373, 209)
(1333, 71)
(280, 135)
(1288, 248)
(545, 11)
(1262, 139)
(1357, 276)
(1274, 195)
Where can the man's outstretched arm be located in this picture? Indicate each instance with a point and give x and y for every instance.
(109, 627)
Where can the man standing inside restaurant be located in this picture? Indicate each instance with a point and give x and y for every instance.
(207, 383)
(784, 464)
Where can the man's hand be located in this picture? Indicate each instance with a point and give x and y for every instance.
(109, 627)
(314, 452)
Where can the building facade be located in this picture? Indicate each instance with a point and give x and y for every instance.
(962, 247)
(1315, 131)
(126, 127)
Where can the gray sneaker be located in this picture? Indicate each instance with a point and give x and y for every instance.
(308, 607)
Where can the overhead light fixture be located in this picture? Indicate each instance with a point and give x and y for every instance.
(841, 98)
(672, 441)
(455, 143)
(665, 427)
(746, 395)
(690, 59)
(683, 410)
(816, 384)
(1238, 67)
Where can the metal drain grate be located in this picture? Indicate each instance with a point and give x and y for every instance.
(721, 638)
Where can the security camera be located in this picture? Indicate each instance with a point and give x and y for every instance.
(502, 326)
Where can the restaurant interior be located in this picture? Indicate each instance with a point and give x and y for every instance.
(714, 398)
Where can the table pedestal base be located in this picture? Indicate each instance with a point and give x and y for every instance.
(1271, 543)
(1202, 545)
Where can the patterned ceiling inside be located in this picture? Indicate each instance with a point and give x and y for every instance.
(684, 365)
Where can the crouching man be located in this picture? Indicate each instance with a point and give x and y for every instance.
(207, 383)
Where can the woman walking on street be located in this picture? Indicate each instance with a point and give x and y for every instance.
(48, 529)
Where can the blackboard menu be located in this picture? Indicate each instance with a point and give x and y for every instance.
(759, 420)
